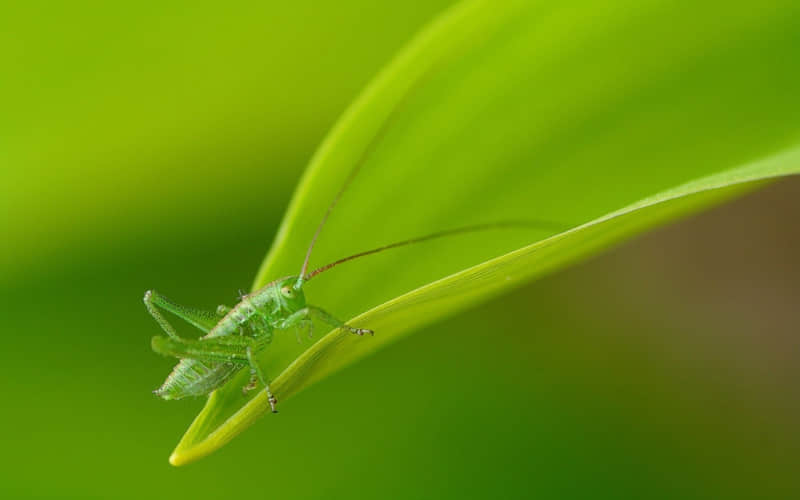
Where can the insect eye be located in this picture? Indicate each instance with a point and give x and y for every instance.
(286, 291)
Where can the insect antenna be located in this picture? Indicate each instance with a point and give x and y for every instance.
(380, 133)
(534, 224)
(377, 138)
(322, 222)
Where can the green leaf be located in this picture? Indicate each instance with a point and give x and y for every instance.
(606, 119)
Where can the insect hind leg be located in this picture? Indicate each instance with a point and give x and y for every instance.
(155, 302)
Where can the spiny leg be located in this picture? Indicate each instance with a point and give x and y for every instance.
(226, 349)
(154, 301)
(255, 368)
(252, 384)
(324, 316)
(310, 327)
(304, 324)
(258, 328)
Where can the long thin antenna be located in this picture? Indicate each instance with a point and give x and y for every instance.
(536, 224)
(352, 175)
(339, 194)
(362, 159)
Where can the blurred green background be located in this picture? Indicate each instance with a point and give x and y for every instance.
(157, 145)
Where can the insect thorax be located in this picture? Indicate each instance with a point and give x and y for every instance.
(279, 299)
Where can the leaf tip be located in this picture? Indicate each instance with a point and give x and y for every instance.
(185, 455)
(189, 451)
(176, 459)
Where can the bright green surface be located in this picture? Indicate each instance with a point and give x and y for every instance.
(157, 147)
(547, 146)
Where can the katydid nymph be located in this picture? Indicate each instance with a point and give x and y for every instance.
(235, 336)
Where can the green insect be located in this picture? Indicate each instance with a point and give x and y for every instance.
(235, 340)
(235, 336)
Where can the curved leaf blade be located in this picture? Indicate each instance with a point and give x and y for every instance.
(523, 110)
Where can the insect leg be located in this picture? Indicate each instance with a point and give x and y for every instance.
(252, 384)
(254, 368)
(154, 301)
(226, 349)
(304, 324)
(324, 316)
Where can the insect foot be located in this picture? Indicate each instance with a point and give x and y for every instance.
(362, 331)
(249, 387)
(272, 403)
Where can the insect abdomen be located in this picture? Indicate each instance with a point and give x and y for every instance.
(191, 377)
(194, 378)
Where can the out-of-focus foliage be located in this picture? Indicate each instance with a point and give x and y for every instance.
(107, 109)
